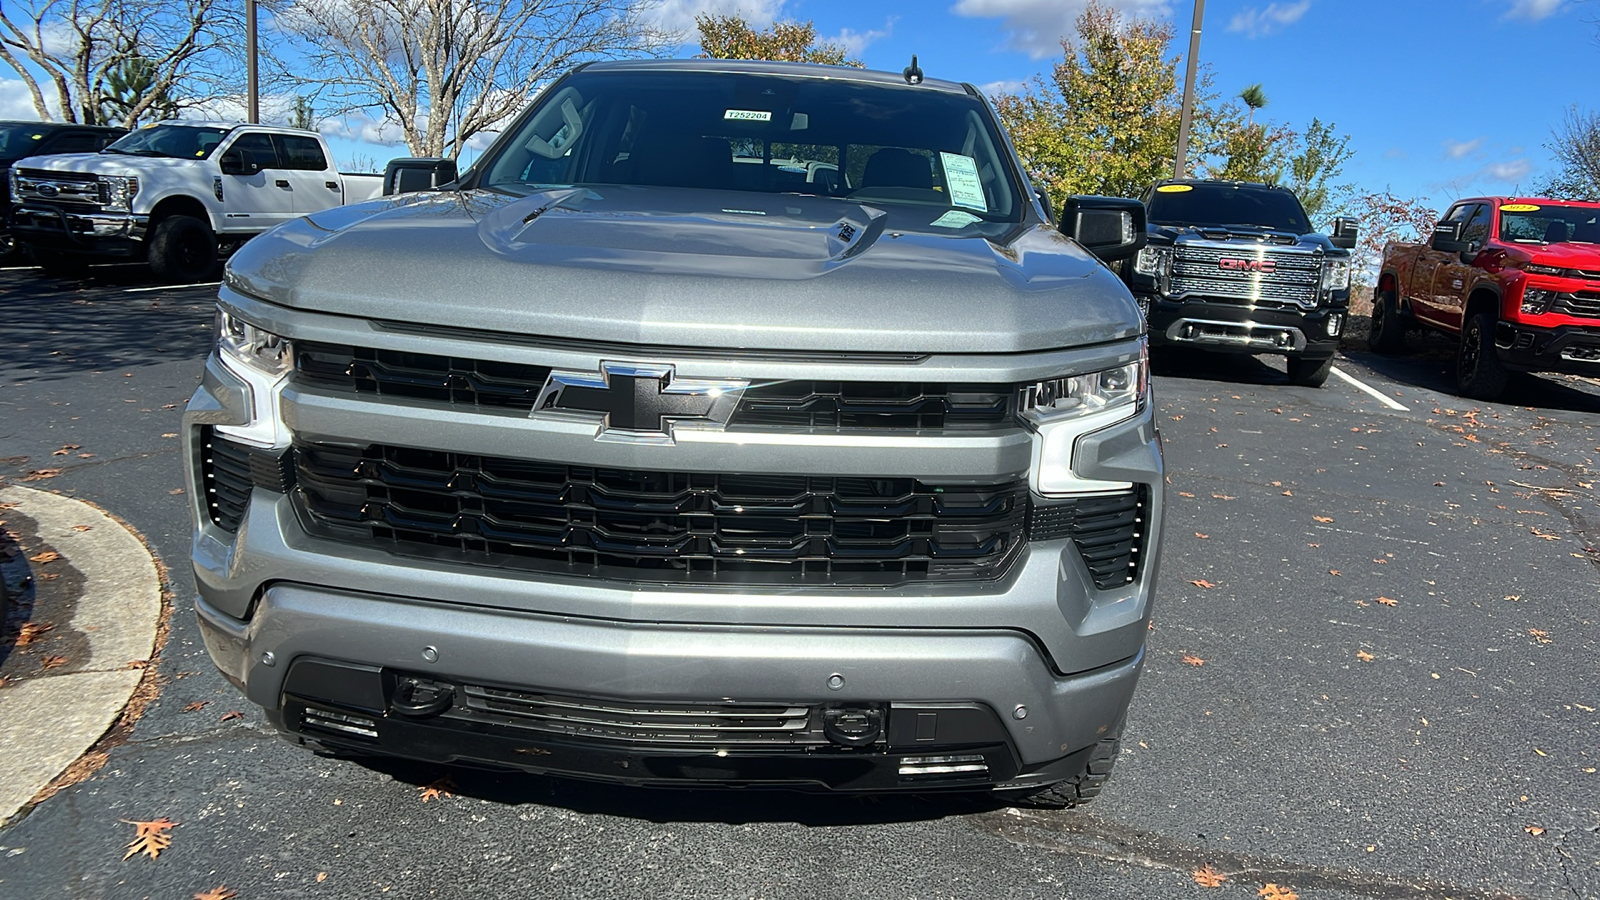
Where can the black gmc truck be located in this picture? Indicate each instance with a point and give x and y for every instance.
(1235, 267)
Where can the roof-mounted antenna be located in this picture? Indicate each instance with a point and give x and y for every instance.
(911, 73)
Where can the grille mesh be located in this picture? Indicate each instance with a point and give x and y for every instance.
(730, 724)
(1109, 532)
(1584, 304)
(660, 526)
(1197, 271)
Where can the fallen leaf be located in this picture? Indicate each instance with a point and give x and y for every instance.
(438, 789)
(51, 662)
(1333, 571)
(1222, 496)
(227, 716)
(136, 664)
(31, 632)
(82, 528)
(1545, 534)
(45, 556)
(65, 449)
(1323, 519)
(1288, 493)
(1540, 752)
(175, 491)
(1274, 892)
(1364, 656)
(1208, 877)
(220, 892)
(1533, 830)
(38, 474)
(1542, 637)
(321, 877)
(196, 706)
(1194, 660)
(151, 838)
(1201, 536)
(1388, 601)
(1185, 494)
(86, 456)
(1202, 583)
(170, 434)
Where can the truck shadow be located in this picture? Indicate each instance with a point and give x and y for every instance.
(1227, 368)
(108, 317)
(731, 806)
(1429, 364)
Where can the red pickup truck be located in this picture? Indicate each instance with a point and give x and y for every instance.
(1516, 280)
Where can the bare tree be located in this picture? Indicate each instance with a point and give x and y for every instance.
(1575, 144)
(67, 52)
(445, 70)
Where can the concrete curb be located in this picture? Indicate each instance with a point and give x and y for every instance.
(48, 721)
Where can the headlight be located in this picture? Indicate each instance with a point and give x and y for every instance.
(1532, 269)
(117, 191)
(1062, 410)
(253, 347)
(12, 178)
(1336, 275)
(1536, 302)
(1153, 261)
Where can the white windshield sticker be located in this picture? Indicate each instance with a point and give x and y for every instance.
(747, 115)
(961, 179)
(955, 218)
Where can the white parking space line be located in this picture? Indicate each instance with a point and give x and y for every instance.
(1360, 385)
(171, 287)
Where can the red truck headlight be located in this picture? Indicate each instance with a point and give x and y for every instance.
(1536, 301)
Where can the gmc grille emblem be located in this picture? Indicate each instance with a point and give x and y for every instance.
(639, 402)
(1264, 266)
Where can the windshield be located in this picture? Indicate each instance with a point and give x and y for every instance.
(891, 145)
(17, 141)
(175, 141)
(1532, 223)
(1227, 204)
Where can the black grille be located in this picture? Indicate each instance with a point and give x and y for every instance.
(1197, 271)
(1583, 304)
(817, 405)
(229, 470)
(660, 526)
(721, 725)
(1109, 531)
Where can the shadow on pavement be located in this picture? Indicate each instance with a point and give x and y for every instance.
(727, 805)
(1429, 364)
(1229, 368)
(111, 316)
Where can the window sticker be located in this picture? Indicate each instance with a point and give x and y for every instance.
(747, 115)
(1520, 207)
(1175, 189)
(961, 177)
(955, 218)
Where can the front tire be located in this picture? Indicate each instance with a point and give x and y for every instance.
(1388, 332)
(1078, 790)
(1479, 372)
(1309, 372)
(183, 249)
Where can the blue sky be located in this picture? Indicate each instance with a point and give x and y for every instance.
(1441, 98)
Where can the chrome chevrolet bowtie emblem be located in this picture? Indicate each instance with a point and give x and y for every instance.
(639, 402)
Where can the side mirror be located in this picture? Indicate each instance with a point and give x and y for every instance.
(238, 161)
(1447, 238)
(1111, 228)
(407, 174)
(1344, 233)
(1044, 201)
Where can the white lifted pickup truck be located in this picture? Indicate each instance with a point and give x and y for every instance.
(175, 194)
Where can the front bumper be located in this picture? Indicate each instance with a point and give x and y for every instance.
(89, 233)
(1244, 329)
(1570, 349)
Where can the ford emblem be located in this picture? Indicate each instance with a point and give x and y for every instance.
(47, 190)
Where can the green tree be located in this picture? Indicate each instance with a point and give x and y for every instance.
(303, 114)
(1254, 152)
(731, 37)
(1255, 98)
(1106, 122)
(1319, 158)
(134, 92)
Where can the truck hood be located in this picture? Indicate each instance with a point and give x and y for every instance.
(101, 163)
(664, 266)
(1567, 256)
(1160, 234)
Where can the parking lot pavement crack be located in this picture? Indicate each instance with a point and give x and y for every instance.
(1093, 838)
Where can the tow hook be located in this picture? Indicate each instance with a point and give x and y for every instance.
(421, 697)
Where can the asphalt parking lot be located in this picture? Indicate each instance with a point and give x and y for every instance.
(1373, 673)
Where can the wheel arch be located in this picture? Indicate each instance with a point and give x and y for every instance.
(1482, 299)
(181, 205)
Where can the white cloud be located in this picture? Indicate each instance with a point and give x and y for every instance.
(16, 102)
(1036, 27)
(1256, 22)
(1511, 170)
(677, 16)
(995, 88)
(1534, 10)
(854, 42)
(1462, 149)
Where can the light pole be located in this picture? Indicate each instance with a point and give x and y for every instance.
(252, 87)
(1179, 167)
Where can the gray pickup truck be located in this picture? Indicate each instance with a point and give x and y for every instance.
(728, 422)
